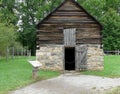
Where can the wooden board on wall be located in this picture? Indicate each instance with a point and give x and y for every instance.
(70, 37)
(69, 15)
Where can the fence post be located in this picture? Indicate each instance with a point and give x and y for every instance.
(30, 53)
(13, 52)
(116, 52)
(7, 53)
(23, 52)
(27, 52)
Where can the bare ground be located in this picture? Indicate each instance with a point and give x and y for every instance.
(71, 84)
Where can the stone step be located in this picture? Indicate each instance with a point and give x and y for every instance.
(71, 73)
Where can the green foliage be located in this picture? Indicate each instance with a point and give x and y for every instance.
(30, 17)
(111, 67)
(7, 8)
(18, 73)
(7, 37)
(106, 11)
(8, 20)
(111, 32)
(94, 7)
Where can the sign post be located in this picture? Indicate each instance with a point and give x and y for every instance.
(36, 66)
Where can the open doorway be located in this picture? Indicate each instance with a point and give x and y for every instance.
(69, 58)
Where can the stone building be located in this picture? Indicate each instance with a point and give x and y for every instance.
(69, 38)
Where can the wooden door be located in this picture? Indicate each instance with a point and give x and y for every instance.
(70, 37)
(81, 57)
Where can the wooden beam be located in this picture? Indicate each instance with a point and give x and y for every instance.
(49, 31)
(67, 20)
(50, 35)
(50, 42)
(70, 17)
(70, 25)
(80, 37)
(89, 41)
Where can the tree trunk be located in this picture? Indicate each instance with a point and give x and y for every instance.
(33, 51)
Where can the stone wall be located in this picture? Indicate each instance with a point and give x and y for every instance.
(95, 57)
(50, 57)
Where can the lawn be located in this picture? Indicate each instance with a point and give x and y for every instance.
(111, 67)
(18, 72)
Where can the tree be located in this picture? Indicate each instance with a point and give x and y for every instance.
(30, 17)
(7, 37)
(8, 28)
(106, 11)
(7, 10)
(111, 32)
(13, 11)
(30, 12)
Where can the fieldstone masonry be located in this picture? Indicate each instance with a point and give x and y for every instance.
(95, 57)
(51, 57)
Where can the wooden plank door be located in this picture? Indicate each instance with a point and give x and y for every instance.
(70, 37)
(81, 57)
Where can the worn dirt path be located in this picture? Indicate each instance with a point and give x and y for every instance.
(71, 84)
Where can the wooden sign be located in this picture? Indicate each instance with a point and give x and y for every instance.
(35, 63)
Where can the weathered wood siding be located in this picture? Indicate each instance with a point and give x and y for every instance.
(81, 57)
(69, 15)
(70, 37)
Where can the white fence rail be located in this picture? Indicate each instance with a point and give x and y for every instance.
(16, 52)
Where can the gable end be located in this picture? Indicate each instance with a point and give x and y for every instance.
(78, 5)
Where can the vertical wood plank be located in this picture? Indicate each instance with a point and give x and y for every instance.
(69, 37)
(81, 58)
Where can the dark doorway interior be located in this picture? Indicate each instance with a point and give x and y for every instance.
(70, 58)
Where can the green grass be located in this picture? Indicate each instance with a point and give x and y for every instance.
(114, 91)
(111, 67)
(17, 73)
